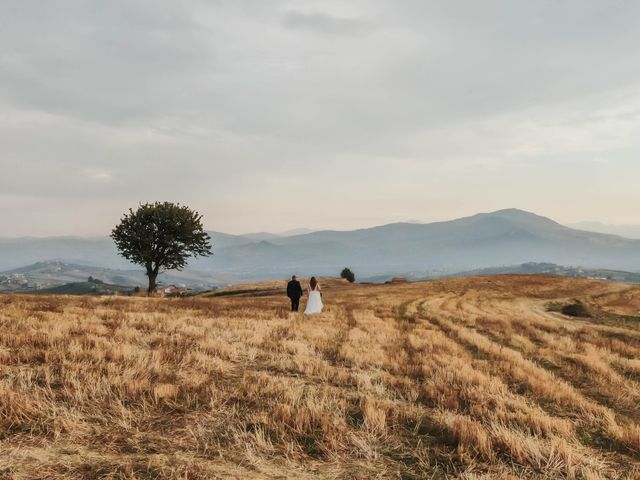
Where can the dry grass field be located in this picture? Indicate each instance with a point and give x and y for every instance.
(474, 378)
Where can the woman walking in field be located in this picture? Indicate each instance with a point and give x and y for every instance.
(314, 303)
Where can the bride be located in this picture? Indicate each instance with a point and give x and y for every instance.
(314, 304)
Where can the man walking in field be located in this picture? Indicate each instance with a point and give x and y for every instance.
(294, 292)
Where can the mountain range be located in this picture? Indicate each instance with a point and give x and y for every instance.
(505, 237)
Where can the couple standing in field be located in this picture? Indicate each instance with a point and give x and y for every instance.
(295, 292)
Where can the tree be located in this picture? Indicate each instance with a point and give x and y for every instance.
(161, 236)
(348, 275)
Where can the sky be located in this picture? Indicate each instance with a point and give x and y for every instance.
(269, 115)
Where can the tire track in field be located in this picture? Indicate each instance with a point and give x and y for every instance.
(540, 384)
(522, 415)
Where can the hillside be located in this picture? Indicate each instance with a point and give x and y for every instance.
(553, 269)
(51, 274)
(87, 288)
(505, 237)
(628, 231)
(470, 378)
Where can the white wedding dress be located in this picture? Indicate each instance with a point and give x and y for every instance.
(314, 303)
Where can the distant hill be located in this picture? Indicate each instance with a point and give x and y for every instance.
(553, 269)
(296, 231)
(87, 288)
(628, 231)
(505, 237)
(260, 236)
(50, 274)
(96, 251)
(18, 252)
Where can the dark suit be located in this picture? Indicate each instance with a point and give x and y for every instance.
(294, 292)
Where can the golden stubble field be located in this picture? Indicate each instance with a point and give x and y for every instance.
(475, 378)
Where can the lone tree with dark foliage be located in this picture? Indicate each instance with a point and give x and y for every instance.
(348, 275)
(161, 236)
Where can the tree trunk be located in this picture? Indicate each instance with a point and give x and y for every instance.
(152, 282)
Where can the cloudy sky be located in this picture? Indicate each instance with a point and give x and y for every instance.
(276, 114)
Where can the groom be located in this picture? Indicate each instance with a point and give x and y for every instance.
(294, 292)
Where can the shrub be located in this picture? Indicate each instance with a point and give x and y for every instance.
(576, 310)
(348, 275)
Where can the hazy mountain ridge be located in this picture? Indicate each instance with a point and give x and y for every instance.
(507, 237)
(628, 231)
(502, 238)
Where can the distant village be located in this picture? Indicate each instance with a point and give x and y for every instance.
(19, 282)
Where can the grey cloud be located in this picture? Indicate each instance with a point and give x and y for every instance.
(324, 23)
(107, 61)
(220, 68)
